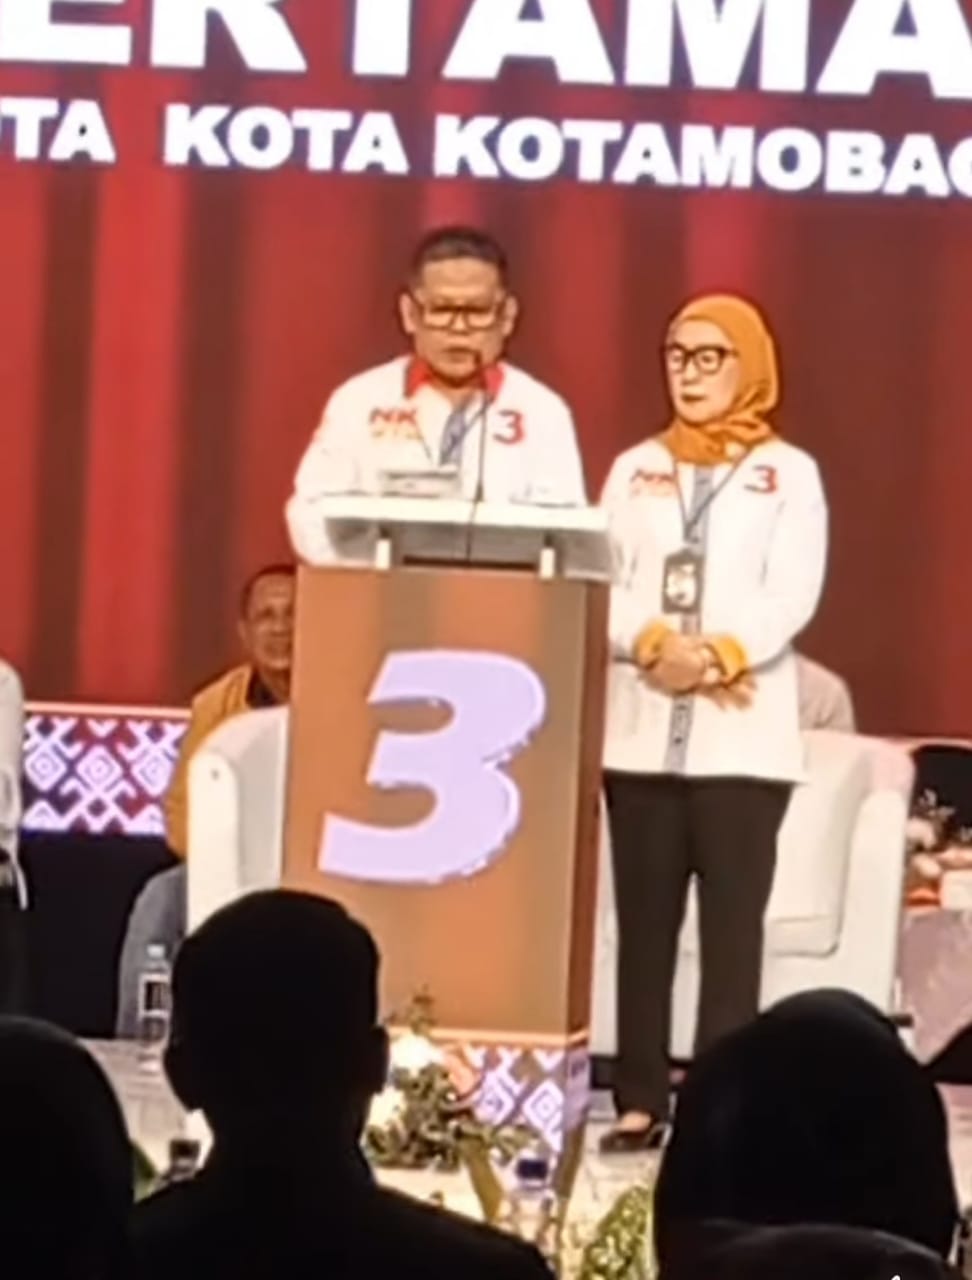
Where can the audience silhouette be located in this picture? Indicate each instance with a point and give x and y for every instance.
(275, 1038)
(68, 1165)
(809, 1143)
(730, 1252)
(814, 1113)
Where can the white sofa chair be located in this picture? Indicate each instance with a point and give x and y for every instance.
(237, 782)
(11, 761)
(835, 911)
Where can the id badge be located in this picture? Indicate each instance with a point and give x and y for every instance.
(682, 583)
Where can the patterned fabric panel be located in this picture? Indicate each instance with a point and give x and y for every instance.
(98, 770)
(547, 1089)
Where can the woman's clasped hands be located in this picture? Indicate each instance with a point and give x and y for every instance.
(677, 665)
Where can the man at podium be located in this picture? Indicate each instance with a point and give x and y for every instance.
(453, 413)
(441, 515)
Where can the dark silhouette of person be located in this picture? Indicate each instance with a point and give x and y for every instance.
(729, 1251)
(68, 1178)
(814, 1113)
(275, 1038)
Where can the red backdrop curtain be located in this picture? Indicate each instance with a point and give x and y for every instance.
(167, 339)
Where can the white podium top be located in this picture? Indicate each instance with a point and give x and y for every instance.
(454, 529)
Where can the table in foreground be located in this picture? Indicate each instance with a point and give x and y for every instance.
(154, 1117)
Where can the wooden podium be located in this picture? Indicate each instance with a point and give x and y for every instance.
(444, 774)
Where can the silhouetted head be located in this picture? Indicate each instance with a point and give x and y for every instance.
(68, 1177)
(728, 1251)
(814, 1113)
(275, 1019)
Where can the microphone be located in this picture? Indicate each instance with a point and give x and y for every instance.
(482, 420)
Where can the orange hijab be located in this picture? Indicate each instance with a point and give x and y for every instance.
(747, 424)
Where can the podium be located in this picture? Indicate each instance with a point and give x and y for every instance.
(444, 771)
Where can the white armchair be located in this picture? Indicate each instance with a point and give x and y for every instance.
(11, 759)
(237, 782)
(834, 914)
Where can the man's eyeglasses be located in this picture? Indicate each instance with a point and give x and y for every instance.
(708, 360)
(447, 315)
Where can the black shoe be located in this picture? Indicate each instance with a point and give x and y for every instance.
(630, 1142)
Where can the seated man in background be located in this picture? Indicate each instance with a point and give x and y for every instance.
(825, 699)
(266, 629)
(276, 1039)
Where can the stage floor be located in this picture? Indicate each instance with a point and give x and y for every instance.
(154, 1117)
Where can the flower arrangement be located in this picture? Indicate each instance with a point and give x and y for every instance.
(619, 1248)
(424, 1118)
(934, 846)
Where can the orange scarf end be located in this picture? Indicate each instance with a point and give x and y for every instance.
(722, 443)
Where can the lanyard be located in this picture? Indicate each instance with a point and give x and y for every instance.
(453, 441)
(691, 522)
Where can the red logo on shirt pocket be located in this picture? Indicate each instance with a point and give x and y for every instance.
(513, 430)
(763, 480)
(659, 484)
(400, 424)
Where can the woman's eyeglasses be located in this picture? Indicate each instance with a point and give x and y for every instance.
(708, 360)
(447, 315)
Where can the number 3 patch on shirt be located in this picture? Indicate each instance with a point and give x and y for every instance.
(512, 431)
(763, 480)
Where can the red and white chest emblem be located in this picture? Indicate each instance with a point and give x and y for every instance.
(655, 484)
(394, 424)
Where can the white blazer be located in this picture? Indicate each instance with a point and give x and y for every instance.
(378, 422)
(765, 559)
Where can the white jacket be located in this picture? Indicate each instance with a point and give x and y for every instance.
(765, 558)
(378, 422)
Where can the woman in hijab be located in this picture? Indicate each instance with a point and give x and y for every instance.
(814, 1113)
(68, 1180)
(720, 531)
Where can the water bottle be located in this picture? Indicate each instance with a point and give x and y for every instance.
(154, 1007)
(533, 1208)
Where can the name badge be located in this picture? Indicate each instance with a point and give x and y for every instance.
(682, 583)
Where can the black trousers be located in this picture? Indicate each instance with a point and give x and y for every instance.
(664, 831)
